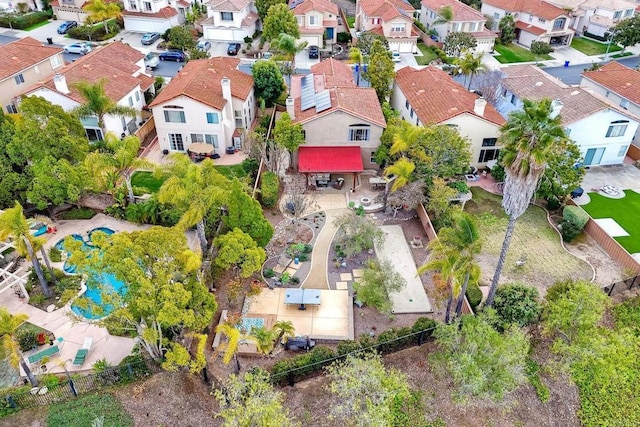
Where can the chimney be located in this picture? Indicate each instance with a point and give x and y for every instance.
(60, 82)
(556, 106)
(479, 106)
(291, 108)
(226, 94)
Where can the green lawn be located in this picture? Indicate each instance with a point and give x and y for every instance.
(511, 53)
(351, 20)
(38, 25)
(146, 180)
(592, 47)
(622, 55)
(624, 211)
(429, 55)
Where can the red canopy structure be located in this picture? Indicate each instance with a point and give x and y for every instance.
(330, 160)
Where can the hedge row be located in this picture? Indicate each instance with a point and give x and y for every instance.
(94, 32)
(25, 21)
(270, 187)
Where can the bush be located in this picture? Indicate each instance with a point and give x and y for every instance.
(270, 188)
(343, 37)
(84, 410)
(422, 324)
(250, 166)
(94, 32)
(269, 273)
(346, 347)
(540, 48)
(55, 254)
(459, 186)
(420, 25)
(78, 213)
(497, 172)
(553, 204)
(25, 21)
(474, 296)
(517, 304)
(569, 230)
(248, 39)
(576, 215)
(596, 37)
(304, 365)
(27, 339)
(394, 339)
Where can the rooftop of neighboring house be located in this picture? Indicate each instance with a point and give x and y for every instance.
(461, 12)
(435, 97)
(164, 13)
(594, 4)
(115, 63)
(23, 54)
(300, 7)
(332, 73)
(229, 5)
(387, 9)
(530, 82)
(617, 78)
(537, 8)
(200, 80)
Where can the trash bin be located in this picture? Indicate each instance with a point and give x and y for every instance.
(566, 63)
(50, 40)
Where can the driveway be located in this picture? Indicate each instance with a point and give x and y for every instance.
(625, 177)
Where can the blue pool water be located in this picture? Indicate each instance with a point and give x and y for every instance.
(250, 322)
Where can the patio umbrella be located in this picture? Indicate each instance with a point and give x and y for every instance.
(201, 148)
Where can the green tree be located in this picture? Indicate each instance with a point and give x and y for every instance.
(355, 55)
(268, 81)
(164, 298)
(402, 170)
(230, 346)
(279, 20)
(367, 39)
(285, 330)
(14, 167)
(263, 338)
(56, 182)
(263, 7)
(287, 48)
(445, 15)
(481, 361)
(181, 37)
(378, 281)
(517, 304)
(470, 65)
(507, 29)
(288, 134)
(244, 212)
(97, 103)
(238, 250)
(458, 42)
(356, 233)
(101, 11)
(251, 400)
(439, 203)
(626, 32)
(529, 137)
(380, 71)
(9, 347)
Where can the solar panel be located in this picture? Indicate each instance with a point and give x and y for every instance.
(323, 101)
(307, 95)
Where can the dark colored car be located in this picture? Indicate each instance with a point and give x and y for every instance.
(299, 344)
(173, 55)
(66, 26)
(149, 38)
(233, 49)
(314, 52)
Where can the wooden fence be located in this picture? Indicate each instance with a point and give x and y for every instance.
(144, 130)
(634, 152)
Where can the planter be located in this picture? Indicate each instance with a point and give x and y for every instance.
(365, 201)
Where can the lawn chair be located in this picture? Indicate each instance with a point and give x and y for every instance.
(81, 355)
(37, 357)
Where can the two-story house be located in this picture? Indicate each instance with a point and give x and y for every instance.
(342, 123)
(154, 15)
(430, 96)
(69, 10)
(596, 16)
(25, 62)
(317, 20)
(536, 20)
(602, 132)
(125, 82)
(230, 20)
(392, 19)
(210, 101)
(465, 19)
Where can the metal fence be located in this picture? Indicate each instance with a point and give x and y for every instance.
(623, 285)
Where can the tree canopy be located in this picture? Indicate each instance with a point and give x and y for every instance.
(238, 250)
(627, 31)
(378, 280)
(288, 134)
(263, 6)
(244, 212)
(279, 20)
(380, 71)
(458, 42)
(268, 81)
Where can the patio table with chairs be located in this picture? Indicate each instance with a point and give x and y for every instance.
(377, 182)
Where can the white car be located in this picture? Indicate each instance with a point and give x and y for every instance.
(80, 48)
(395, 56)
(151, 60)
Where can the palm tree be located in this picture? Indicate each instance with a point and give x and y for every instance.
(98, 10)
(230, 347)
(263, 338)
(402, 169)
(9, 347)
(445, 14)
(285, 330)
(121, 160)
(355, 55)
(288, 48)
(443, 259)
(195, 189)
(527, 138)
(14, 225)
(98, 104)
(470, 65)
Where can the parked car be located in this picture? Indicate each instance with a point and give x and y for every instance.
(79, 48)
(149, 38)
(233, 48)
(314, 52)
(173, 55)
(395, 56)
(151, 60)
(299, 344)
(203, 45)
(66, 26)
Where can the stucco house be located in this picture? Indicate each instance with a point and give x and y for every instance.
(430, 96)
(465, 19)
(26, 62)
(317, 20)
(123, 69)
(596, 16)
(210, 101)
(392, 19)
(536, 20)
(230, 20)
(154, 15)
(343, 123)
(69, 10)
(602, 132)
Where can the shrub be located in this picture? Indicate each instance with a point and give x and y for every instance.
(497, 172)
(576, 215)
(346, 347)
(540, 48)
(569, 230)
(270, 188)
(24, 21)
(55, 254)
(250, 166)
(517, 304)
(94, 32)
(37, 299)
(459, 186)
(307, 249)
(422, 324)
(343, 37)
(474, 296)
(50, 380)
(553, 204)
(269, 273)
(248, 39)
(304, 365)
(78, 213)
(532, 369)
(27, 339)
(420, 25)
(84, 411)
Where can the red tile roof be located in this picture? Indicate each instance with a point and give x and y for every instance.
(313, 5)
(228, 5)
(461, 12)
(537, 8)
(200, 81)
(524, 26)
(329, 159)
(619, 79)
(435, 97)
(335, 73)
(386, 9)
(165, 13)
(22, 54)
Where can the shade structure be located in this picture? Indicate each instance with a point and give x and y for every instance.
(329, 159)
(201, 148)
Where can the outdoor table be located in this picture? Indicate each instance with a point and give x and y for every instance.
(302, 297)
(377, 182)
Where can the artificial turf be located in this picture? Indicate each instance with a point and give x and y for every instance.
(625, 211)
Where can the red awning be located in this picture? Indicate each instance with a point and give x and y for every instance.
(329, 159)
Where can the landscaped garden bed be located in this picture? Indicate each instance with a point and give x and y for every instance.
(511, 54)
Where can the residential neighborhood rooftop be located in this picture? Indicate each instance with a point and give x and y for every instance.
(300, 7)
(617, 78)
(538, 8)
(333, 73)
(461, 12)
(24, 53)
(387, 9)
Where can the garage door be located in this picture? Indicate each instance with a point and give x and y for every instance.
(312, 40)
(145, 25)
(402, 47)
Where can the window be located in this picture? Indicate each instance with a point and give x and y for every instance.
(226, 16)
(211, 139)
(11, 109)
(496, 16)
(624, 103)
(489, 142)
(175, 142)
(398, 27)
(455, 27)
(617, 128)
(623, 150)
(628, 12)
(124, 123)
(559, 23)
(530, 18)
(55, 61)
(617, 14)
(133, 5)
(173, 116)
(406, 104)
(130, 102)
(472, 26)
(147, 6)
(137, 96)
(19, 79)
(237, 115)
(359, 132)
(313, 20)
(372, 158)
(411, 113)
(514, 99)
(300, 20)
(488, 155)
(212, 118)
(36, 69)
(417, 121)
(607, 94)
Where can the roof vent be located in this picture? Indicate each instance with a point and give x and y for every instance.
(538, 84)
(420, 91)
(575, 92)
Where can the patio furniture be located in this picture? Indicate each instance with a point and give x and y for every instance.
(302, 297)
(35, 358)
(81, 354)
(377, 182)
(338, 184)
(577, 192)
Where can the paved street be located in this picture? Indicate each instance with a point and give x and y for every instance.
(571, 75)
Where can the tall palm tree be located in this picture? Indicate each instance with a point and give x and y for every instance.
(196, 188)
(287, 47)
(355, 55)
(97, 102)
(470, 65)
(527, 139)
(14, 225)
(263, 338)
(402, 169)
(9, 347)
(285, 329)
(99, 11)
(230, 347)
(444, 260)
(121, 160)
(445, 15)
